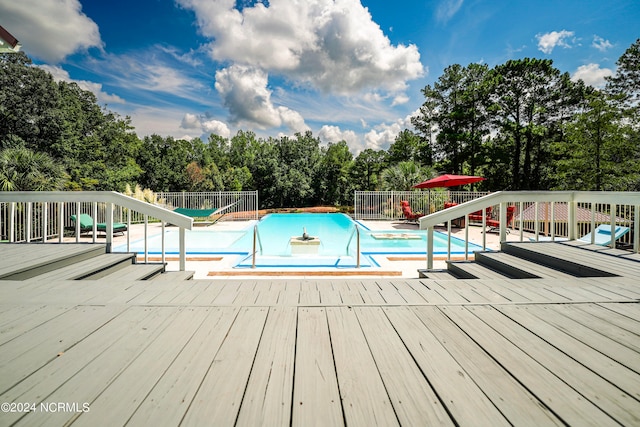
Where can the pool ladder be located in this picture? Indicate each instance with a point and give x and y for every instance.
(356, 233)
(256, 242)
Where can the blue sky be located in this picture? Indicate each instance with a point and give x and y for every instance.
(344, 69)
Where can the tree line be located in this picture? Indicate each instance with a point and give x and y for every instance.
(523, 125)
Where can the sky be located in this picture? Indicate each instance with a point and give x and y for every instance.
(349, 70)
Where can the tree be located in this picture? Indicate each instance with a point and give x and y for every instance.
(29, 104)
(626, 82)
(455, 111)
(365, 173)
(299, 160)
(598, 154)
(333, 183)
(528, 98)
(404, 175)
(22, 169)
(406, 147)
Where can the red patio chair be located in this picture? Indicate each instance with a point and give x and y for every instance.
(494, 225)
(408, 214)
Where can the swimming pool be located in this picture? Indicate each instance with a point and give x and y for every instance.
(277, 235)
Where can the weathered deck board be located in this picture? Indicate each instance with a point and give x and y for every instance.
(267, 400)
(552, 391)
(364, 398)
(515, 402)
(601, 393)
(463, 398)
(316, 399)
(44, 343)
(219, 396)
(116, 404)
(171, 397)
(414, 400)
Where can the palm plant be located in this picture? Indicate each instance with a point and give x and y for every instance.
(404, 175)
(22, 169)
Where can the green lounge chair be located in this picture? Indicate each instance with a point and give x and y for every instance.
(205, 213)
(86, 225)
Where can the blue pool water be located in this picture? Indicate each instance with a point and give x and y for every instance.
(336, 233)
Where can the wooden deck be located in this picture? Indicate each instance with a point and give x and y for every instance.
(358, 352)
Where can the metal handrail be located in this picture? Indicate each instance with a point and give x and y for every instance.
(355, 232)
(256, 240)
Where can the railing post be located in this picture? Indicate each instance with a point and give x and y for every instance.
(12, 220)
(429, 247)
(109, 207)
(612, 209)
(503, 222)
(573, 220)
(183, 249)
(636, 229)
(28, 222)
(45, 219)
(60, 222)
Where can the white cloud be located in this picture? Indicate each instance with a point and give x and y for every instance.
(205, 125)
(244, 92)
(50, 29)
(547, 42)
(216, 127)
(331, 45)
(592, 75)
(190, 121)
(601, 44)
(60, 74)
(447, 9)
(335, 134)
(400, 99)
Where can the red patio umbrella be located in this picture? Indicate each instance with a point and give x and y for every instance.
(449, 181)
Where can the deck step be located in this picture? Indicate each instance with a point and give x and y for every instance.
(96, 266)
(472, 270)
(172, 276)
(558, 256)
(517, 268)
(436, 274)
(27, 260)
(133, 272)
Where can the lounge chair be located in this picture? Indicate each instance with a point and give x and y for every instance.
(494, 225)
(86, 225)
(602, 235)
(205, 213)
(478, 215)
(408, 214)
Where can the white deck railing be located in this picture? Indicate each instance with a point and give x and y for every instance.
(617, 207)
(27, 216)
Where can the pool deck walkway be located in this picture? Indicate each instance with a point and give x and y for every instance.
(327, 352)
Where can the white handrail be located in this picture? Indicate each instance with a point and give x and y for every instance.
(110, 198)
(502, 198)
